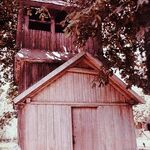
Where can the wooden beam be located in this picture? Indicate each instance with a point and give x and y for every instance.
(75, 104)
(82, 70)
(28, 100)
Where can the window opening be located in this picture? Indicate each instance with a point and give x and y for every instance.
(59, 17)
(39, 19)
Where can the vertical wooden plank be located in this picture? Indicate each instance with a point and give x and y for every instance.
(48, 42)
(45, 38)
(40, 37)
(30, 127)
(102, 93)
(92, 89)
(112, 90)
(27, 32)
(62, 128)
(113, 133)
(21, 128)
(108, 93)
(60, 42)
(57, 127)
(126, 127)
(53, 37)
(42, 40)
(66, 128)
(132, 128)
(57, 40)
(30, 39)
(59, 37)
(118, 128)
(101, 128)
(108, 127)
(41, 127)
(67, 81)
(50, 127)
(34, 38)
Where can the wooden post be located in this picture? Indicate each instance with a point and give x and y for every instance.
(19, 25)
(53, 35)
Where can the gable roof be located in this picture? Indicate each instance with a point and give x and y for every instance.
(77, 58)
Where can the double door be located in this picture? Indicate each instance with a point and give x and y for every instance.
(62, 127)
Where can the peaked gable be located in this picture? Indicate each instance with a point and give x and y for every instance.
(81, 60)
(79, 86)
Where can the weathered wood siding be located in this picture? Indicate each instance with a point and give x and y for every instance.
(46, 127)
(116, 125)
(57, 127)
(72, 114)
(32, 72)
(78, 87)
(36, 39)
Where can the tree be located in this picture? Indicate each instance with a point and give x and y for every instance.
(8, 20)
(119, 26)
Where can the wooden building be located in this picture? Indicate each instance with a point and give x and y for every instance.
(41, 40)
(60, 103)
(64, 111)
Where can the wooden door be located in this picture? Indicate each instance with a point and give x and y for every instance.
(47, 127)
(84, 128)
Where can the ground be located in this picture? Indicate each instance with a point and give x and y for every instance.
(8, 146)
(143, 141)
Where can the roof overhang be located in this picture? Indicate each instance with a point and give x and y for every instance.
(52, 4)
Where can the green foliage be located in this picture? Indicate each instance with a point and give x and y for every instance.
(119, 27)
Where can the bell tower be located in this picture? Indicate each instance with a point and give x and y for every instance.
(41, 40)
